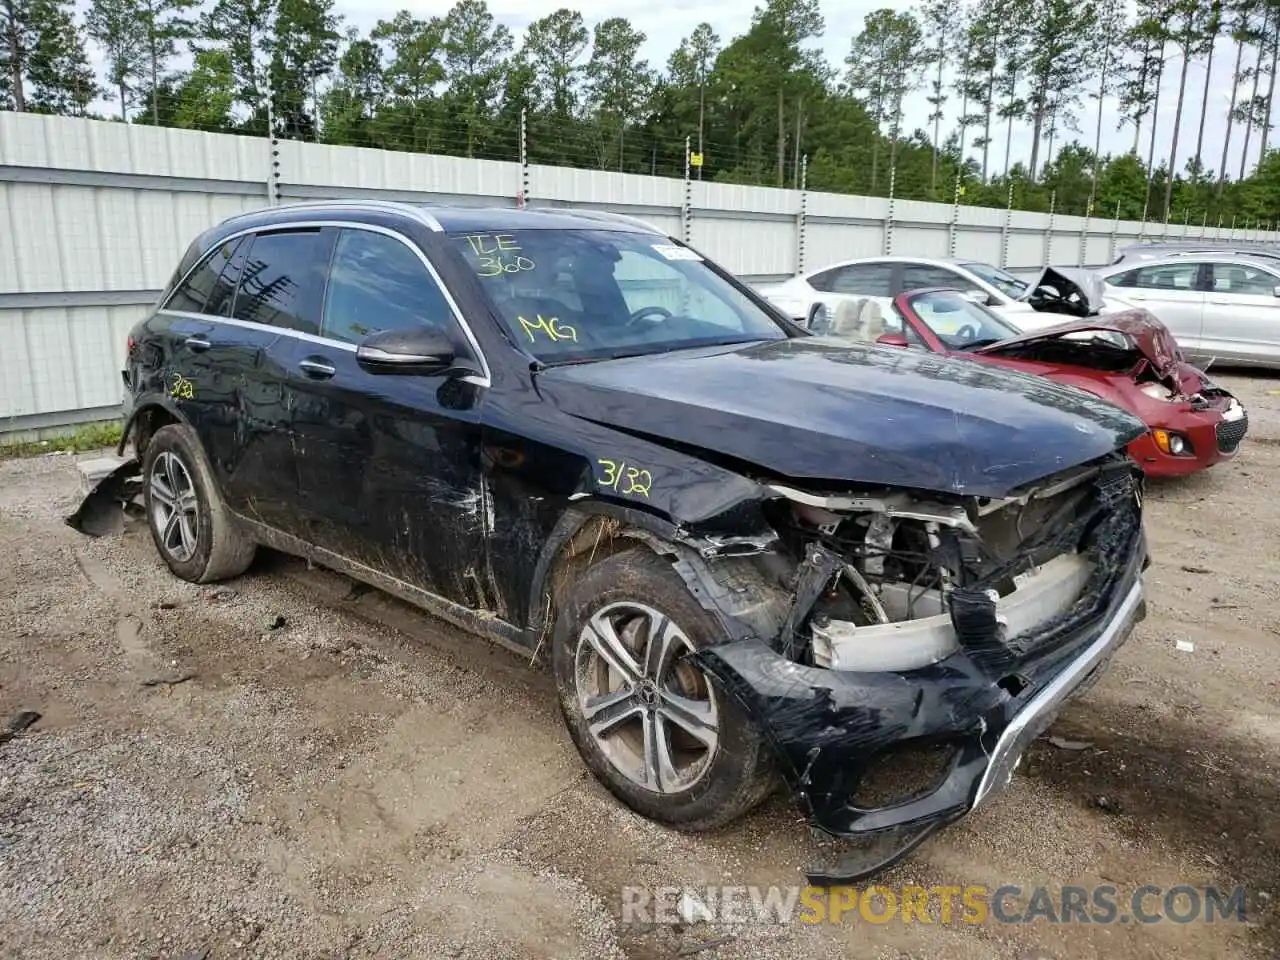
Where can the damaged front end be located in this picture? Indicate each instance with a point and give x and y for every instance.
(930, 641)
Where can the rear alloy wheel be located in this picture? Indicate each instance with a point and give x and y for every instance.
(195, 534)
(649, 724)
(175, 508)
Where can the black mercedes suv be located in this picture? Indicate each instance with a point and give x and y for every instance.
(749, 551)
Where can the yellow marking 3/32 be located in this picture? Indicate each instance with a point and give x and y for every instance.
(624, 479)
(182, 389)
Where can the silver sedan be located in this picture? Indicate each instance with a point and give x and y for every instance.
(1219, 306)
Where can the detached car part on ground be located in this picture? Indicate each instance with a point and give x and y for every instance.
(750, 551)
(1129, 359)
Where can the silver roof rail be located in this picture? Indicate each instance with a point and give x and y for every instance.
(399, 206)
(610, 216)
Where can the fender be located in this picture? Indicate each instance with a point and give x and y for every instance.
(689, 553)
(142, 406)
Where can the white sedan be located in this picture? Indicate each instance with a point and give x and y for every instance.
(880, 279)
(1219, 306)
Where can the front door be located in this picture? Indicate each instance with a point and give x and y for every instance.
(1242, 317)
(389, 464)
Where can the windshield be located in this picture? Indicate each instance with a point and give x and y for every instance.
(569, 295)
(1006, 283)
(959, 323)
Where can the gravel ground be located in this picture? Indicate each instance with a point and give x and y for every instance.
(289, 766)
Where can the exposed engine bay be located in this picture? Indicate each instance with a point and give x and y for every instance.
(892, 581)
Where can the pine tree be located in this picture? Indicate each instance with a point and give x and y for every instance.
(115, 25)
(619, 83)
(475, 51)
(62, 81)
(303, 47)
(18, 39)
(163, 24)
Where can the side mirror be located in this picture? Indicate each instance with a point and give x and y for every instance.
(1276, 291)
(419, 351)
(892, 340)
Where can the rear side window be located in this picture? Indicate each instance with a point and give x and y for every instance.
(1243, 279)
(192, 295)
(230, 257)
(1165, 276)
(377, 283)
(281, 281)
(863, 279)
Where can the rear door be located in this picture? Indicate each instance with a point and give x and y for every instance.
(218, 378)
(1174, 292)
(278, 298)
(1242, 317)
(389, 464)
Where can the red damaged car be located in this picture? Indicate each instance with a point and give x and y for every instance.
(1128, 358)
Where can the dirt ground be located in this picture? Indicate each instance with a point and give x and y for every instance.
(331, 774)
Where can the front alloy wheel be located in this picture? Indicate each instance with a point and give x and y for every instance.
(652, 714)
(175, 507)
(649, 723)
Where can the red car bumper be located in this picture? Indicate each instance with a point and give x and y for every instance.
(1212, 438)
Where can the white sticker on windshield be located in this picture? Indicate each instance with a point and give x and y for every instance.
(672, 252)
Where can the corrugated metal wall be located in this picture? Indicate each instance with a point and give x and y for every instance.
(94, 215)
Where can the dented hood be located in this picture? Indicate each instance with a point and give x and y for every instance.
(1149, 337)
(1068, 290)
(818, 408)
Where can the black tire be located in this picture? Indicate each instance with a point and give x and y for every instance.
(736, 775)
(215, 549)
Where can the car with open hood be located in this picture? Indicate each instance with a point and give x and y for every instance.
(1026, 303)
(747, 552)
(1128, 358)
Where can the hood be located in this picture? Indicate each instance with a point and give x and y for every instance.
(1149, 337)
(1068, 290)
(818, 408)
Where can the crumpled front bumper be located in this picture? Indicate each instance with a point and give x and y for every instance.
(827, 727)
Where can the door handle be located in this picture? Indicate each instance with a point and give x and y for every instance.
(198, 343)
(317, 368)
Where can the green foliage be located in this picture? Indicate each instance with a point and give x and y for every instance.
(61, 79)
(82, 439)
(117, 28)
(753, 105)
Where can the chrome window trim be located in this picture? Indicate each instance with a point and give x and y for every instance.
(485, 379)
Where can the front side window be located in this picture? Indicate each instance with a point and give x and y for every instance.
(592, 294)
(921, 276)
(1243, 279)
(281, 280)
(959, 323)
(376, 283)
(1006, 283)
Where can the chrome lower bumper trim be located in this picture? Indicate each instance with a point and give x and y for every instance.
(1032, 720)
